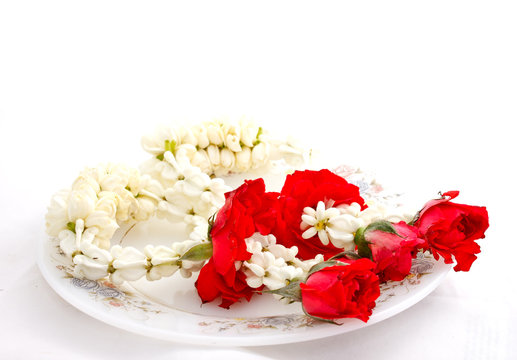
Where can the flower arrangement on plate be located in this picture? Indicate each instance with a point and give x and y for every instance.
(318, 241)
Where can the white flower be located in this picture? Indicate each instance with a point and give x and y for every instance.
(106, 226)
(113, 182)
(187, 267)
(227, 159)
(193, 221)
(203, 209)
(201, 134)
(186, 136)
(214, 155)
(90, 261)
(214, 192)
(154, 168)
(190, 267)
(80, 204)
(129, 264)
(306, 265)
(249, 132)
(185, 150)
(281, 276)
(335, 225)
(193, 184)
(146, 208)
(70, 241)
(176, 165)
(280, 251)
(243, 159)
(107, 203)
(176, 206)
(85, 179)
(259, 155)
(200, 232)
(271, 264)
(150, 194)
(127, 205)
(155, 143)
(194, 194)
(163, 261)
(202, 161)
(232, 137)
(215, 133)
(93, 264)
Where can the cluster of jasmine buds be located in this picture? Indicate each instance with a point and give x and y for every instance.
(126, 263)
(339, 224)
(104, 197)
(85, 217)
(216, 147)
(190, 195)
(272, 264)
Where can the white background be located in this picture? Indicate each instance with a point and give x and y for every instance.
(424, 94)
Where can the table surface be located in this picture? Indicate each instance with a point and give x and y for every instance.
(423, 97)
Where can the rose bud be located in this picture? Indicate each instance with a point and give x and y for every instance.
(393, 246)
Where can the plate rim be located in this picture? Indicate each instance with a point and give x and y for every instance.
(322, 331)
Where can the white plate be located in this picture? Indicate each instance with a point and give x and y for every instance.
(170, 309)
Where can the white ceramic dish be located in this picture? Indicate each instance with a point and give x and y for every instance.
(170, 309)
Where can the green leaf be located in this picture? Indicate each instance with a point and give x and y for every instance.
(362, 245)
(199, 252)
(382, 225)
(291, 291)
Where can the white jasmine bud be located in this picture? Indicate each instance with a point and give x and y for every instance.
(186, 136)
(202, 161)
(259, 155)
(215, 134)
(248, 133)
(214, 155)
(227, 159)
(80, 204)
(201, 134)
(243, 159)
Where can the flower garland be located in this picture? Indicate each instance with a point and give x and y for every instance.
(317, 241)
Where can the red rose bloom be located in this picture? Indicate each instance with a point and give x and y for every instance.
(210, 285)
(247, 209)
(393, 253)
(307, 188)
(342, 291)
(451, 229)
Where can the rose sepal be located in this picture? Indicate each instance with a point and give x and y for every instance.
(198, 252)
(291, 291)
(363, 248)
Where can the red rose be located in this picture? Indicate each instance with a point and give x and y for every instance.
(451, 229)
(307, 188)
(247, 210)
(341, 291)
(210, 285)
(393, 253)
